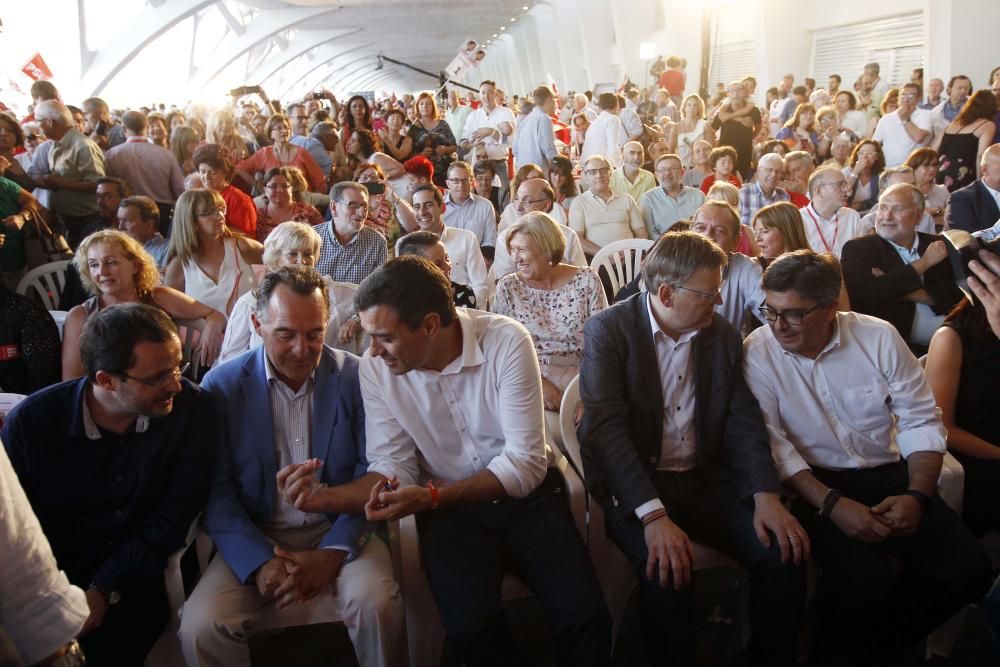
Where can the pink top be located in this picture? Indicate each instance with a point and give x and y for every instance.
(300, 213)
(266, 158)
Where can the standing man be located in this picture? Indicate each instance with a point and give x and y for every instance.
(738, 122)
(488, 130)
(905, 129)
(599, 216)
(828, 222)
(675, 450)
(466, 210)
(856, 434)
(959, 89)
(934, 90)
(630, 178)
(671, 202)
(605, 136)
(763, 190)
(292, 400)
(535, 140)
(350, 251)
(878, 86)
(116, 465)
(299, 118)
(457, 113)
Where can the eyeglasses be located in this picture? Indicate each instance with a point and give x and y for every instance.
(895, 210)
(837, 184)
(603, 171)
(707, 296)
(458, 181)
(213, 212)
(528, 202)
(793, 317)
(277, 186)
(159, 381)
(354, 205)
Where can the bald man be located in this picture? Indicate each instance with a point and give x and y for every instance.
(977, 205)
(631, 178)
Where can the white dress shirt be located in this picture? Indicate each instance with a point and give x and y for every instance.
(39, 609)
(467, 264)
(483, 411)
(605, 136)
(830, 234)
(860, 404)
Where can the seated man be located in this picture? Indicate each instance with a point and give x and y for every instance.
(889, 177)
(675, 450)
(899, 274)
(599, 216)
(466, 210)
(468, 457)
(350, 250)
(828, 221)
(977, 205)
(116, 465)
(671, 202)
(290, 401)
(429, 246)
(763, 190)
(630, 178)
(844, 400)
(139, 217)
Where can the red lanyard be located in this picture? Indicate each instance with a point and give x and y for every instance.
(836, 228)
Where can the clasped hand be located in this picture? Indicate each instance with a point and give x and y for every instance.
(298, 576)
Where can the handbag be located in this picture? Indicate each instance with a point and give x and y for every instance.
(41, 244)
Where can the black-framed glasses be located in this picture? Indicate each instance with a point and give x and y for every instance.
(792, 316)
(528, 202)
(160, 380)
(707, 296)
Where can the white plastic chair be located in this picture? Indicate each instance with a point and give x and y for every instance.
(59, 316)
(190, 333)
(47, 281)
(621, 270)
(7, 403)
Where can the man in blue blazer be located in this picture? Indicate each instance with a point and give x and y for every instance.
(290, 401)
(977, 205)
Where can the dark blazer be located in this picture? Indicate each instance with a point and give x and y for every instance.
(972, 208)
(622, 426)
(243, 494)
(880, 296)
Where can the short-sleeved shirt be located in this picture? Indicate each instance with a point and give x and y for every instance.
(603, 222)
(77, 158)
(897, 144)
(660, 210)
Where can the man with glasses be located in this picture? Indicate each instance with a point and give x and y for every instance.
(899, 274)
(466, 210)
(671, 202)
(829, 223)
(116, 465)
(905, 129)
(856, 435)
(763, 190)
(299, 118)
(535, 194)
(599, 216)
(675, 449)
(350, 251)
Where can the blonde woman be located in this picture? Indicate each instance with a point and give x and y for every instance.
(115, 269)
(691, 128)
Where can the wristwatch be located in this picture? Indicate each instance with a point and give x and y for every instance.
(111, 599)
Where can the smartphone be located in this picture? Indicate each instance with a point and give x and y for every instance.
(375, 188)
(963, 247)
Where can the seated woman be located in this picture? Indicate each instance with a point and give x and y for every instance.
(563, 182)
(280, 205)
(206, 260)
(396, 142)
(366, 148)
(723, 164)
(551, 299)
(924, 162)
(216, 170)
(290, 244)
(962, 366)
(865, 167)
(799, 133)
(115, 269)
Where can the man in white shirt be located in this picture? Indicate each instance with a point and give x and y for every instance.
(605, 136)
(535, 194)
(488, 130)
(630, 178)
(828, 222)
(631, 123)
(464, 209)
(856, 435)
(457, 113)
(905, 129)
(467, 455)
(671, 202)
(675, 450)
(468, 266)
(599, 216)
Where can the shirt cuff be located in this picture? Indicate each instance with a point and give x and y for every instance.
(931, 438)
(340, 547)
(647, 507)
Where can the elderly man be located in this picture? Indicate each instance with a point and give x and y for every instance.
(350, 251)
(738, 122)
(763, 190)
(605, 136)
(326, 133)
(151, 170)
(934, 90)
(116, 465)
(828, 222)
(675, 450)
(840, 150)
(139, 217)
(534, 142)
(487, 131)
(898, 274)
(977, 205)
(599, 216)
(464, 209)
(630, 178)
(959, 89)
(101, 127)
(581, 106)
(855, 432)
(299, 118)
(905, 129)
(535, 194)
(293, 400)
(799, 166)
(889, 177)
(671, 202)
(457, 113)
(74, 164)
(877, 85)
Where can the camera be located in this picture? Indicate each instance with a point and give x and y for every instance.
(963, 247)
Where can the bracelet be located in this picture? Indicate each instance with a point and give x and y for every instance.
(435, 495)
(829, 501)
(653, 516)
(919, 495)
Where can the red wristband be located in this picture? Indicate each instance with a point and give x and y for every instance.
(435, 495)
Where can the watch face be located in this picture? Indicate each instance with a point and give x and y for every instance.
(114, 597)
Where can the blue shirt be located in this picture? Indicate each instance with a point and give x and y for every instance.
(316, 150)
(534, 142)
(350, 263)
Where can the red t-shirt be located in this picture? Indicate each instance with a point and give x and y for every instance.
(673, 81)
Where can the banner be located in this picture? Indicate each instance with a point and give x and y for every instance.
(36, 69)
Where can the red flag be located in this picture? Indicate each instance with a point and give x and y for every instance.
(36, 68)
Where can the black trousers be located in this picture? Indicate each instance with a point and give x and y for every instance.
(874, 601)
(466, 552)
(130, 627)
(981, 493)
(711, 513)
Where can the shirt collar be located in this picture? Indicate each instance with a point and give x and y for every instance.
(994, 193)
(472, 352)
(831, 344)
(657, 329)
(902, 249)
(272, 377)
(90, 427)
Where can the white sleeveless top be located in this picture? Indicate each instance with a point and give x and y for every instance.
(685, 141)
(235, 279)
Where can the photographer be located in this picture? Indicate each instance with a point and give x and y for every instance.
(985, 284)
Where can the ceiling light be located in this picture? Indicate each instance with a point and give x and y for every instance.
(524, 8)
(503, 27)
(494, 35)
(512, 19)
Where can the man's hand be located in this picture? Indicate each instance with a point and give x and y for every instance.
(934, 255)
(670, 552)
(270, 575)
(298, 484)
(858, 522)
(385, 505)
(98, 608)
(903, 514)
(770, 515)
(483, 133)
(551, 395)
(985, 284)
(309, 573)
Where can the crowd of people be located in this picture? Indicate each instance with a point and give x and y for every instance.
(804, 344)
